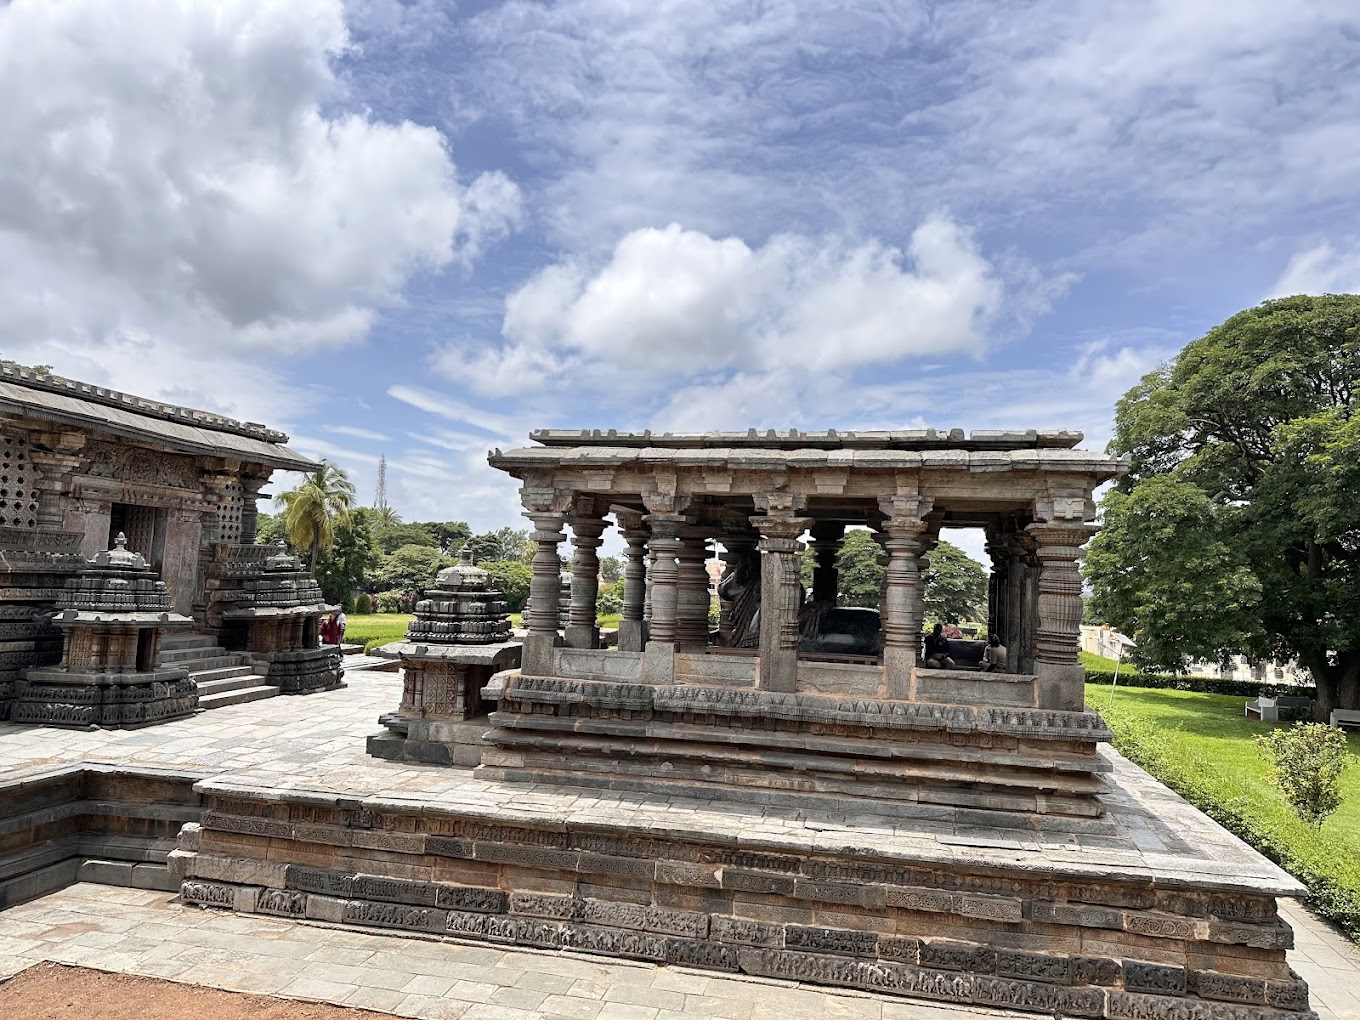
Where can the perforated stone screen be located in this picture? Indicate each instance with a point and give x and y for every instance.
(18, 496)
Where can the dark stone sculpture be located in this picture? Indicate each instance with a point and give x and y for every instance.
(822, 626)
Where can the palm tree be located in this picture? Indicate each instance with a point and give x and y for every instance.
(314, 508)
(385, 517)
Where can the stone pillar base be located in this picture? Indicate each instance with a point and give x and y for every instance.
(658, 663)
(1061, 685)
(582, 635)
(537, 659)
(632, 635)
(899, 670)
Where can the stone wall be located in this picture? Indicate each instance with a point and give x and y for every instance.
(1076, 944)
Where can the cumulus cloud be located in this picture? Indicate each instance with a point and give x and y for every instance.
(673, 306)
(179, 176)
(1321, 269)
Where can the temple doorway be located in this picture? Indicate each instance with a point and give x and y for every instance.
(144, 527)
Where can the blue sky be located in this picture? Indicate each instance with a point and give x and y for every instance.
(421, 229)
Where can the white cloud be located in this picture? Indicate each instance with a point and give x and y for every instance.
(176, 177)
(1321, 269)
(671, 307)
(452, 408)
(354, 432)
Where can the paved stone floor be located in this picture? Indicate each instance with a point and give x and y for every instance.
(317, 742)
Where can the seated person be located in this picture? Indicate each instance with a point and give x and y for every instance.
(994, 655)
(937, 649)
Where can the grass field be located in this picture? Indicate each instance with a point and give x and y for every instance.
(1202, 746)
(371, 629)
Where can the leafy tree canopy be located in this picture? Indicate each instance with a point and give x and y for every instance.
(1238, 527)
(502, 544)
(312, 510)
(410, 568)
(511, 577)
(392, 537)
(611, 568)
(954, 587)
(342, 569)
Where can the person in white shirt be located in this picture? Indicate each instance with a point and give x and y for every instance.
(994, 655)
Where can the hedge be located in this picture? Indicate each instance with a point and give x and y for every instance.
(1198, 684)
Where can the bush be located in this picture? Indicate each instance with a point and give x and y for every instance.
(396, 601)
(1200, 684)
(363, 603)
(1307, 760)
(609, 602)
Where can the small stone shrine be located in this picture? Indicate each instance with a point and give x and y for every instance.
(793, 795)
(112, 616)
(460, 636)
(34, 568)
(261, 600)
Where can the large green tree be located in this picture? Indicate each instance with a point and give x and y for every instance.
(312, 510)
(410, 568)
(954, 586)
(502, 544)
(344, 568)
(1237, 529)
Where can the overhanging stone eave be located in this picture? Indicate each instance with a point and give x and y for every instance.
(199, 439)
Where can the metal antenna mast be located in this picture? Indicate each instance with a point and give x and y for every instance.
(380, 498)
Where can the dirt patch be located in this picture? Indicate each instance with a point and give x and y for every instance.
(49, 991)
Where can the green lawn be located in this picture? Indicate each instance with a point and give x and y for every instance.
(371, 629)
(1201, 745)
(1098, 662)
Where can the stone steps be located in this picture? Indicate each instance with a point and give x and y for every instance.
(185, 656)
(236, 682)
(237, 697)
(202, 676)
(178, 641)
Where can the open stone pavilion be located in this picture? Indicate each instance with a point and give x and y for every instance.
(791, 797)
(751, 802)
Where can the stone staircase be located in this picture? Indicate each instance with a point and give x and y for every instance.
(222, 677)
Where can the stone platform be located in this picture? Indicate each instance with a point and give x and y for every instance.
(1163, 915)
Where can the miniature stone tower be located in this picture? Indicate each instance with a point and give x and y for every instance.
(112, 616)
(459, 638)
(262, 601)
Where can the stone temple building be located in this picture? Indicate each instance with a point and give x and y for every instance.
(793, 794)
(81, 465)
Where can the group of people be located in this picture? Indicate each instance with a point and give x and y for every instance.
(333, 629)
(937, 652)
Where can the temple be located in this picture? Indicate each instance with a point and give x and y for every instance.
(844, 683)
(81, 465)
(790, 793)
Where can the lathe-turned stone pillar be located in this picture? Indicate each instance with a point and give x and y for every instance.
(659, 660)
(905, 529)
(827, 539)
(632, 626)
(692, 599)
(543, 637)
(586, 528)
(1058, 612)
(781, 598)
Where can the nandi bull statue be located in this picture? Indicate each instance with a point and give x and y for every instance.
(822, 626)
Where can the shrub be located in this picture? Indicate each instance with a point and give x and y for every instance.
(1200, 684)
(363, 603)
(609, 602)
(1307, 761)
(388, 601)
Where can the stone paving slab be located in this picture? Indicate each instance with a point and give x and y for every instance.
(315, 744)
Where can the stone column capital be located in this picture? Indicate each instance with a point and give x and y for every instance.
(779, 533)
(904, 508)
(1061, 539)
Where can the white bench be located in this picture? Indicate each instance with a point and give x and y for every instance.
(1342, 717)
